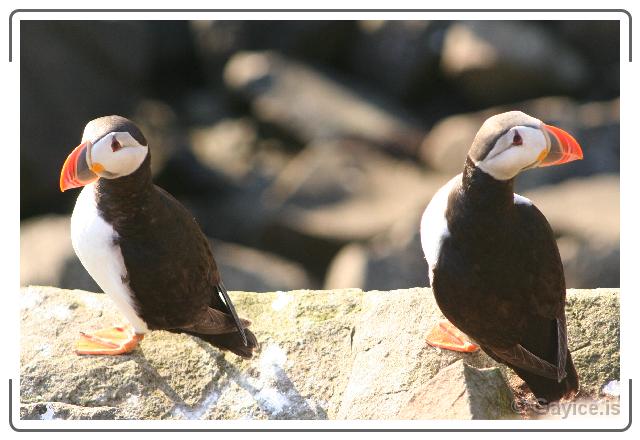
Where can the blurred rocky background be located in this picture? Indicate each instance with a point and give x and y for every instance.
(307, 150)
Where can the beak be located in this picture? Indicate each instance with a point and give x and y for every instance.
(562, 147)
(75, 171)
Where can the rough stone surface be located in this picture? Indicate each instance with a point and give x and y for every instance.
(594, 337)
(343, 354)
(56, 410)
(460, 391)
(390, 358)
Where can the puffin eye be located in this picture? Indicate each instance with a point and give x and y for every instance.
(517, 139)
(115, 145)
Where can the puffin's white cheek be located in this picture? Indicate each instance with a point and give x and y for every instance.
(129, 160)
(101, 158)
(509, 163)
(113, 164)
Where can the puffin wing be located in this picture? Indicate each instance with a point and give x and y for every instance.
(563, 345)
(215, 322)
(224, 296)
(521, 357)
(547, 297)
(209, 309)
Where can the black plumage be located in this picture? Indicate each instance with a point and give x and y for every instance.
(499, 278)
(169, 263)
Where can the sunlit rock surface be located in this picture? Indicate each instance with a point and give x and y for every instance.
(341, 354)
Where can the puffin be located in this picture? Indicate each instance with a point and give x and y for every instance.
(143, 248)
(494, 265)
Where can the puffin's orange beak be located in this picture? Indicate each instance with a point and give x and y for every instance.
(75, 171)
(563, 147)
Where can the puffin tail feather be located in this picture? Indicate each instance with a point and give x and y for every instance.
(233, 342)
(550, 390)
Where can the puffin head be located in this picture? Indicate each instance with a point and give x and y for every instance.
(112, 147)
(511, 142)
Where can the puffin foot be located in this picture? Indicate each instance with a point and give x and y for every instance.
(108, 341)
(446, 335)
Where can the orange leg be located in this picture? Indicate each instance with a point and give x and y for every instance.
(446, 335)
(108, 341)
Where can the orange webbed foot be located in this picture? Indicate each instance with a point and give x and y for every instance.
(446, 335)
(108, 341)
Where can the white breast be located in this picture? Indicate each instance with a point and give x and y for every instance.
(433, 227)
(93, 241)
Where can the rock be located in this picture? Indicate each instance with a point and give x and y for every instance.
(334, 193)
(223, 175)
(220, 146)
(390, 359)
(299, 38)
(502, 61)
(348, 268)
(401, 56)
(310, 105)
(586, 207)
(217, 40)
(57, 410)
(233, 147)
(594, 337)
(58, 266)
(595, 125)
(176, 69)
(342, 354)
(446, 146)
(162, 129)
(598, 42)
(242, 267)
(173, 163)
(200, 107)
(589, 239)
(590, 264)
(460, 391)
(178, 376)
(391, 260)
(249, 269)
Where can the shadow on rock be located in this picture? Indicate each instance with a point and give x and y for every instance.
(272, 389)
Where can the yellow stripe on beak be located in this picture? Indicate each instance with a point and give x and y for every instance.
(543, 154)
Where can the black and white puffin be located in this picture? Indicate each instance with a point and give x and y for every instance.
(494, 265)
(143, 248)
